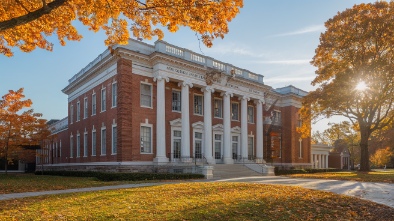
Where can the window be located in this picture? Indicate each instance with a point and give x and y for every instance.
(78, 145)
(218, 108)
(146, 95)
(60, 148)
(103, 101)
(250, 148)
(71, 147)
(71, 114)
(234, 111)
(85, 144)
(198, 104)
(276, 117)
(103, 141)
(218, 146)
(234, 145)
(114, 94)
(176, 100)
(85, 108)
(146, 139)
(78, 111)
(93, 104)
(198, 145)
(177, 140)
(94, 137)
(250, 114)
(114, 139)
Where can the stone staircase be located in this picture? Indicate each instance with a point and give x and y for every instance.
(225, 171)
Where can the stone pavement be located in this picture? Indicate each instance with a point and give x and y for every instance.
(382, 193)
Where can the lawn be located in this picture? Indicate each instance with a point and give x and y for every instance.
(197, 201)
(17, 183)
(384, 176)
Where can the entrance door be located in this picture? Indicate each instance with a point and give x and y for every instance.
(218, 148)
(234, 145)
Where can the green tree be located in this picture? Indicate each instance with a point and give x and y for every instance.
(355, 71)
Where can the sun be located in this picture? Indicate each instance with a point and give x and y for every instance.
(361, 86)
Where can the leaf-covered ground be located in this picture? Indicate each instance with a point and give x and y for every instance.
(384, 176)
(197, 201)
(18, 183)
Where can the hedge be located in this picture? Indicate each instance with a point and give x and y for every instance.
(108, 176)
(302, 171)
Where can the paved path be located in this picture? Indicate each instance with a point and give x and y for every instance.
(382, 193)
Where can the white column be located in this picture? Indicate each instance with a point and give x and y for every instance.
(244, 127)
(314, 160)
(227, 149)
(185, 134)
(160, 121)
(321, 161)
(259, 131)
(208, 124)
(326, 161)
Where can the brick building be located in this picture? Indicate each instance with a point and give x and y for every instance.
(141, 106)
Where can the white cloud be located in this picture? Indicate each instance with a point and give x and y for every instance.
(308, 29)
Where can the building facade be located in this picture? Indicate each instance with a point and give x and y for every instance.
(144, 105)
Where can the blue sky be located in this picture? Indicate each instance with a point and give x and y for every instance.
(275, 38)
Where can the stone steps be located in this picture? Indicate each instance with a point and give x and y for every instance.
(224, 171)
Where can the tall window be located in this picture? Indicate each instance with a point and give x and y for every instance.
(103, 141)
(218, 146)
(114, 139)
(114, 94)
(93, 104)
(60, 148)
(276, 117)
(94, 141)
(218, 108)
(85, 144)
(78, 111)
(85, 108)
(176, 100)
(71, 114)
(146, 95)
(198, 104)
(198, 145)
(71, 147)
(103, 100)
(146, 139)
(234, 145)
(78, 145)
(250, 148)
(177, 139)
(250, 114)
(234, 111)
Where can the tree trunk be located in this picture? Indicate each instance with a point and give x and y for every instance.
(364, 159)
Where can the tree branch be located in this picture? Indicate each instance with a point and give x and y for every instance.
(31, 16)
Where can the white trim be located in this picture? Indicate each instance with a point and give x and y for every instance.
(175, 128)
(78, 155)
(71, 113)
(202, 104)
(95, 103)
(85, 144)
(112, 95)
(71, 146)
(95, 152)
(151, 94)
(101, 141)
(101, 100)
(198, 130)
(78, 111)
(85, 108)
(112, 139)
(151, 137)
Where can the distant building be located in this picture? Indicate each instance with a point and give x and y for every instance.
(145, 107)
(320, 155)
(339, 156)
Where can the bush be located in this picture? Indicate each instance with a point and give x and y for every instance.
(303, 171)
(108, 176)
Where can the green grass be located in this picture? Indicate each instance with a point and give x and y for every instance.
(18, 183)
(197, 201)
(384, 176)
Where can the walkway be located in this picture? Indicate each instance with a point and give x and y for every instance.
(382, 193)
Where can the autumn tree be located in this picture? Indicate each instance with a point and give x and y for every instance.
(382, 157)
(15, 125)
(26, 23)
(355, 71)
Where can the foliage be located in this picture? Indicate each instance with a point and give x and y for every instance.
(16, 127)
(356, 49)
(304, 171)
(197, 201)
(382, 157)
(386, 176)
(108, 176)
(26, 23)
